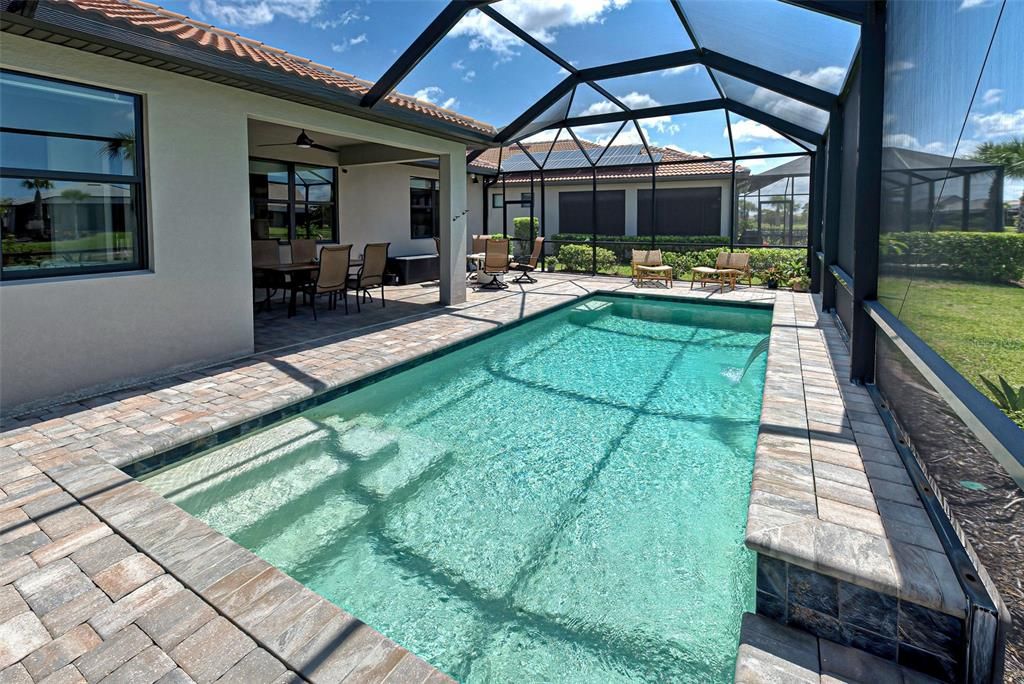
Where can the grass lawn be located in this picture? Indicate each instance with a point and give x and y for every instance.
(977, 327)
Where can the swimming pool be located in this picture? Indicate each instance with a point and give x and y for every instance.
(563, 501)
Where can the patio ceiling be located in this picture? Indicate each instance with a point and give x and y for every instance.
(779, 64)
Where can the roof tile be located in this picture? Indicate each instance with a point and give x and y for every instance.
(154, 18)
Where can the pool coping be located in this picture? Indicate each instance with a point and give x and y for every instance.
(830, 494)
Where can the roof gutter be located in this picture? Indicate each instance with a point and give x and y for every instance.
(65, 25)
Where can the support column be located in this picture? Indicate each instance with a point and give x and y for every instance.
(833, 190)
(868, 194)
(814, 221)
(453, 227)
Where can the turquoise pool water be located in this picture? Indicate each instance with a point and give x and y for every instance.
(564, 501)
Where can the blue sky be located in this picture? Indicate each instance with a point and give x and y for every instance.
(483, 71)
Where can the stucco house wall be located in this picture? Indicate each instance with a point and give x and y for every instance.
(194, 302)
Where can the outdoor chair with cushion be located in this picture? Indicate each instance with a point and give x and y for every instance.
(332, 278)
(265, 253)
(371, 273)
(525, 268)
(495, 264)
(648, 266)
(729, 267)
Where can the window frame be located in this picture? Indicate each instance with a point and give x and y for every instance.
(140, 200)
(292, 201)
(497, 200)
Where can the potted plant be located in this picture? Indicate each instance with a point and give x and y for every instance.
(799, 283)
(770, 277)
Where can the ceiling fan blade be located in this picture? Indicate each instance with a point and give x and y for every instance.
(287, 144)
(318, 146)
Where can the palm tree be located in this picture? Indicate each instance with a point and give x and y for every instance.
(37, 184)
(122, 145)
(75, 196)
(1008, 154)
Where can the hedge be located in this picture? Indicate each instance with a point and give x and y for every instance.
(989, 257)
(578, 258)
(788, 263)
(622, 245)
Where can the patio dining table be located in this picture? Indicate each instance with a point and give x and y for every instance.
(300, 273)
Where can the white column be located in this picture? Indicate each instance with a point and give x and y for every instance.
(631, 211)
(453, 227)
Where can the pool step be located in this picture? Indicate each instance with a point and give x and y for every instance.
(770, 653)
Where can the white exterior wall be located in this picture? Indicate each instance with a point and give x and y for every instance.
(194, 303)
(551, 198)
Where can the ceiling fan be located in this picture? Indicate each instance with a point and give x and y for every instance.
(302, 141)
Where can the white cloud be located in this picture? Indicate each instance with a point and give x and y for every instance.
(826, 78)
(896, 66)
(677, 148)
(971, 4)
(679, 70)
(432, 95)
(351, 42)
(540, 18)
(467, 73)
(992, 96)
(429, 94)
(255, 12)
(344, 19)
(910, 142)
(758, 150)
(998, 124)
(746, 130)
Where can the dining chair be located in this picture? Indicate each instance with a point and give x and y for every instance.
(371, 272)
(303, 251)
(332, 278)
(265, 253)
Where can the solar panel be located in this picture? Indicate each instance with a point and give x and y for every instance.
(618, 155)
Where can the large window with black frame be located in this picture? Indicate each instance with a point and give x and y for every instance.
(424, 200)
(292, 201)
(71, 179)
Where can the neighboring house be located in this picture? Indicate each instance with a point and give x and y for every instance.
(692, 194)
(142, 151)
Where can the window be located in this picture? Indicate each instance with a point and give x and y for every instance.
(497, 200)
(71, 186)
(680, 211)
(576, 212)
(423, 208)
(292, 201)
(526, 198)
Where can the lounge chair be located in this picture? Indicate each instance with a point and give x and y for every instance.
(729, 267)
(332, 278)
(495, 263)
(371, 273)
(648, 265)
(525, 268)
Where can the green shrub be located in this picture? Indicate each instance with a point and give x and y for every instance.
(521, 227)
(986, 257)
(578, 258)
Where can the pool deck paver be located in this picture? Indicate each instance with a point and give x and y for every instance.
(150, 592)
